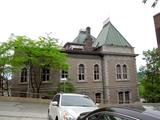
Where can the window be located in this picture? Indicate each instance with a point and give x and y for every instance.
(124, 71)
(64, 74)
(127, 97)
(56, 98)
(24, 75)
(45, 73)
(98, 97)
(106, 115)
(120, 96)
(81, 72)
(75, 100)
(124, 97)
(118, 70)
(96, 72)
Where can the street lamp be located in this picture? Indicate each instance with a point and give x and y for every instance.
(64, 81)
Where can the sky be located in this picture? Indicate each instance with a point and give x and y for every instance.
(64, 19)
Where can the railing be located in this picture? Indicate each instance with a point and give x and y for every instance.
(30, 95)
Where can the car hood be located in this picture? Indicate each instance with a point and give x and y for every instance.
(76, 111)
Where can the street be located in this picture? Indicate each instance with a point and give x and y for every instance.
(23, 111)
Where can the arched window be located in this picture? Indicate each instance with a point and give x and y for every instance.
(124, 71)
(45, 73)
(24, 75)
(118, 70)
(96, 72)
(124, 97)
(120, 96)
(98, 97)
(81, 72)
(127, 97)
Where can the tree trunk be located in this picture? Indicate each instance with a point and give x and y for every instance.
(7, 88)
(2, 82)
(2, 89)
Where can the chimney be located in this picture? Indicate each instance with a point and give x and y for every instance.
(157, 28)
(88, 30)
(88, 41)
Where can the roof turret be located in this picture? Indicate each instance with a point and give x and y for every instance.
(109, 35)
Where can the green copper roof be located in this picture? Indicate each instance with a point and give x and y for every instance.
(81, 38)
(109, 35)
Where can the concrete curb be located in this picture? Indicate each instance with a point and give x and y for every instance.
(27, 100)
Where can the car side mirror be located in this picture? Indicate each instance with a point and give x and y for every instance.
(54, 103)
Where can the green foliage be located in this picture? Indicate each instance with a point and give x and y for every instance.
(5, 67)
(151, 80)
(66, 87)
(141, 76)
(21, 51)
(141, 89)
(153, 4)
(42, 52)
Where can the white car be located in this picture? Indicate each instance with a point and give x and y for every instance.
(66, 106)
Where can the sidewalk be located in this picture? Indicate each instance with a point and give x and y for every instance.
(23, 111)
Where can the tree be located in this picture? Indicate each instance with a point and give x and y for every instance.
(5, 68)
(31, 54)
(141, 76)
(151, 80)
(153, 4)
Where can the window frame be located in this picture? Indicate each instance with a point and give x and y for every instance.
(120, 98)
(99, 97)
(125, 99)
(81, 72)
(24, 73)
(125, 72)
(64, 73)
(96, 72)
(118, 72)
(119, 116)
(45, 76)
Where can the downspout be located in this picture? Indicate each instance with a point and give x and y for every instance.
(103, 78)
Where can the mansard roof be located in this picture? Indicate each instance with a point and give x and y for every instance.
(109, 35)
(82, 37)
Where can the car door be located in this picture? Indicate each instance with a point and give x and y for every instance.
(54, 109)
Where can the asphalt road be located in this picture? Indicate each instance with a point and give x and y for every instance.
(23, 111)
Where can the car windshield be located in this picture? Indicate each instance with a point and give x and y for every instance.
(84, 101)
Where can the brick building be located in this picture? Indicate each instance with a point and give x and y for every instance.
(157, 28)
(103, 68)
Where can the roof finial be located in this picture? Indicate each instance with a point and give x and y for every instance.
(106, 21)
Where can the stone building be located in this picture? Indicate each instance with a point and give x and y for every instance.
(103, 68)
(157, 28)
